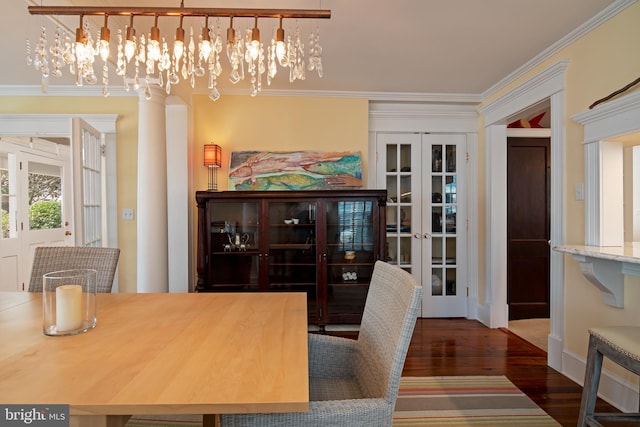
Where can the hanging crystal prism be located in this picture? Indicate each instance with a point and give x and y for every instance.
(315, 52)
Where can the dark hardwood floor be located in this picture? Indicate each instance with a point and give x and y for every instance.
(467, 347)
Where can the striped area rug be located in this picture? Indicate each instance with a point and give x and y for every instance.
(466, 401)
(486, 401)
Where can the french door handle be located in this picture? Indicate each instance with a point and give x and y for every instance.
(427, 236)
(417, 235)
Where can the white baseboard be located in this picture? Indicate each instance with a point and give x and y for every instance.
(554, 352)
(483, 314)
(613, 389)
(472, 308)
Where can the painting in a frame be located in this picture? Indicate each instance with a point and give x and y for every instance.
(295, 170)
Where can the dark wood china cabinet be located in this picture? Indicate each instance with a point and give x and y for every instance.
(322, 242)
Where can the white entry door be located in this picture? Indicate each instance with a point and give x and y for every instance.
(46, 205)
(35, 203)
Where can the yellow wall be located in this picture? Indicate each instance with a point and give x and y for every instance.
(601, 62)
(277, 124)
(127, 140)
(233, 122)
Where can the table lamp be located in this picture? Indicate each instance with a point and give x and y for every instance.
(212, 160)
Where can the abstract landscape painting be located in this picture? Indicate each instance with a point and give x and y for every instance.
(295, 170)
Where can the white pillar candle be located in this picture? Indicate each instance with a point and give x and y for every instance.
(68, 307)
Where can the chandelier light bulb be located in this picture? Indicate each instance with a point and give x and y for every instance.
(153, 44)
(231, 41)
(205, 46)
(81, 47)
(103, 44)
(130, 41)
(281, 48)
(254, 46)
(178, 44)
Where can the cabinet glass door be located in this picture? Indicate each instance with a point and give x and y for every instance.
(351, 254)
(292, 250)
(234, 245)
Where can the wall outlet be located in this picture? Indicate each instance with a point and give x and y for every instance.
(127, 214)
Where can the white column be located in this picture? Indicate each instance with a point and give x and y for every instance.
(152, 193)
(179, 196)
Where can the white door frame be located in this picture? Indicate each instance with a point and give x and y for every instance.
(547, 85)
(60, 125)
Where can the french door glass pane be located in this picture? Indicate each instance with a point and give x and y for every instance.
(400, 198)
(8, 197)
(45, 196)
(444, 222)
(92, 188)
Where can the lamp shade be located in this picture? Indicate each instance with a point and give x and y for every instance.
(212, 155)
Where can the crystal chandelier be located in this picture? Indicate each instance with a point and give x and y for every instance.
(150, 59)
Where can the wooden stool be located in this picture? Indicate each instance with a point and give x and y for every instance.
(620, 344)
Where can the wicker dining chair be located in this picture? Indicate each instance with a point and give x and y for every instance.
(55, 258)
(355, 382)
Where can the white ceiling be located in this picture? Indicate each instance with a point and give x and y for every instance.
(456, 47)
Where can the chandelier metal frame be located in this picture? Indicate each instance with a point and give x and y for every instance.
(182, 11)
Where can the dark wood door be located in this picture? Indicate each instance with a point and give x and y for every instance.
(528, 227)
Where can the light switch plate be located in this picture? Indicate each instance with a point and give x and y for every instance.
(578, 191)
(127, 214)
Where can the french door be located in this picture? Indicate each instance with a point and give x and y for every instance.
(426, 220)
(35, 203)
(51, 194)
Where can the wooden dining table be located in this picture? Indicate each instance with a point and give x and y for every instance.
(194, 353)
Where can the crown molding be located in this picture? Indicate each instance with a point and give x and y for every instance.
(606, 14)
(63, 90)
(445, 98)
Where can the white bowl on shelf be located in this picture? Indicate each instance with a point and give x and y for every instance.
(288, 221)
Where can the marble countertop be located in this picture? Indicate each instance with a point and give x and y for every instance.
(630, 252)
(606, 266)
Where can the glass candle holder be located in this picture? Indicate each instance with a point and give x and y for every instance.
(69, 301)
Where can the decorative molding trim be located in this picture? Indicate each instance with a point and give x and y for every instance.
(611, 119)
(66, 90)
(606, 275)
(447, 98)
(451, 98)
(52, 124)
(558, 230)
(528, 132)
(529, 93)
(398, 117)
(87, 90)
(602, 17)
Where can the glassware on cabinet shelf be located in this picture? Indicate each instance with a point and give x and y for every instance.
(234, 233)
